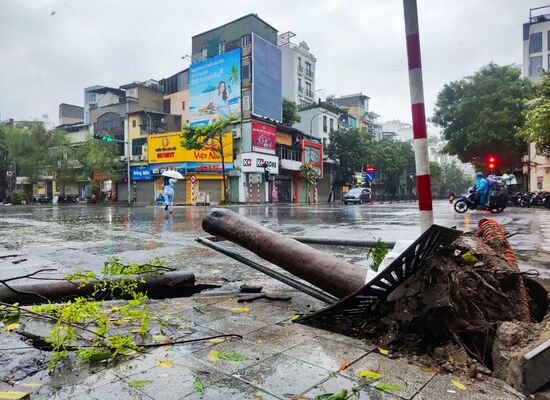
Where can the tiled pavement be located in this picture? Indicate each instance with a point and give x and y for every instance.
(283, 359)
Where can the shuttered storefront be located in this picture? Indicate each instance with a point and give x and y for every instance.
(145, 192)
(213, 187)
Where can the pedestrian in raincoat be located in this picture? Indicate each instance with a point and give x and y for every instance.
(482, 188)
(169, 193)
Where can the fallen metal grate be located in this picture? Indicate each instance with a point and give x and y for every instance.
(362, 303)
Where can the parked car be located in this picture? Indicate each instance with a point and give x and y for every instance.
(358, 195)
(41, 199)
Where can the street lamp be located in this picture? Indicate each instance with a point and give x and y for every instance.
(311, 122)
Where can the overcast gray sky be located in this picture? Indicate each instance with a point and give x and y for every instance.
(47, 58)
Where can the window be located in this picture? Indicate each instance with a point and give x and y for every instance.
(535, 43)
(133, 123)
(535, 66)
(324, 123)
(166, 106)
(183, 105)
(548, 40)
(204, 53)
(245, 71)
(308, 90)
(245, 40)
(308, 67)
(246, 103)
(300, 88)
(137, 145)
(332, 125)
(325, 143)
(221, 47)
(300, 61)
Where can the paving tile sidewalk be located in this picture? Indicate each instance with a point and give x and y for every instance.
(283, 360)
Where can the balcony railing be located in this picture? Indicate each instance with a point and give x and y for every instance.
(289, 154)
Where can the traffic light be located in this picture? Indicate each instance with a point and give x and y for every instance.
(491, 163)
(99, 136)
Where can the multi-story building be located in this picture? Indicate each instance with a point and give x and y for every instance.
(357, 105)
(298, 69)
(70, 114)
(395, 129)
(176, 95)
(536, 58)
(236, 70)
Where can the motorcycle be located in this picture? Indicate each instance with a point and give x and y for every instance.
(495, 204)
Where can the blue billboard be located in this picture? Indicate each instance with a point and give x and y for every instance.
(267, 88)
(140, 173)
(215, 88)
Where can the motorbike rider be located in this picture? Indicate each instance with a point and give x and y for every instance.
(482, 187)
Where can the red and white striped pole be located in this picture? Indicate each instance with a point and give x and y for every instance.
(423, 184)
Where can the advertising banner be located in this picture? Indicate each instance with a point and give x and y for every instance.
(264, 138)
(191, 167)
(168, 148)
(267, 87)
(215, 88)
(140, 173)
(254, 162)
(312, 154)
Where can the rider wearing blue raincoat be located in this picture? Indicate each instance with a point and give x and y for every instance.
(482, 187)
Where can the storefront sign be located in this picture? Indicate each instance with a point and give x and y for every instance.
(264, 138)
(195, 167)
(254, 162)
(540, 179)
(312, 154)
(168, 148)
(140, 173)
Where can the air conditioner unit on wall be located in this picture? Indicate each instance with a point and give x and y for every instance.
(142, 158)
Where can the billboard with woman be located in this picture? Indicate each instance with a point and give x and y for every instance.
(215, 88)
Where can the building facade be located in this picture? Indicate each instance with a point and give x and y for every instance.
(298, 69)
(536, 59)
(176, 95)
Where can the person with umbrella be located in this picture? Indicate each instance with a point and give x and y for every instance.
(170, 178)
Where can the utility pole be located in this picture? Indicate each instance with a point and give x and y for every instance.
(110, 139)
(416, 85)
(266, 185)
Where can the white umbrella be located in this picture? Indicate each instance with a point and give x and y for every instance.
(172, 174)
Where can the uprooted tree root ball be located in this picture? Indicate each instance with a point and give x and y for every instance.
(448, 314)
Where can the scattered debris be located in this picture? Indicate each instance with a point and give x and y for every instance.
(266, 296)
(251, 288)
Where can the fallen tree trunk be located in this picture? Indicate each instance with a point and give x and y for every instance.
(170, 284)
(331, 274)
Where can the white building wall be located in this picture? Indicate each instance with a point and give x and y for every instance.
(312, 123)
(292, 57)
(539, 166)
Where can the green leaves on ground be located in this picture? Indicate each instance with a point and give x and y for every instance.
(469, 258)
(387, 387)
(367, 373)
(341, 395)
(139, 383)
(377, 253)
(198, 386)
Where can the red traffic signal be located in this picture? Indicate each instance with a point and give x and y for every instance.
(491, 162)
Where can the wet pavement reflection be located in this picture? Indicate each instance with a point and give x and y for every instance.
(83, 236)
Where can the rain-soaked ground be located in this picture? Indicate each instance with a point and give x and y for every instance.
(283, 357)
(81, 236)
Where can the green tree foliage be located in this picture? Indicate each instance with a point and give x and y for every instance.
(290, 112)
(537, 118)
(448, 177)
(36, 151)
(97, 156)
(349, 148)
(194, 138)
(480, 115)
(391, 159)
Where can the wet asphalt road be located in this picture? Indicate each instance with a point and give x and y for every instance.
(81, 236)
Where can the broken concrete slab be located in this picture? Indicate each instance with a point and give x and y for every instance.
(521, 354)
